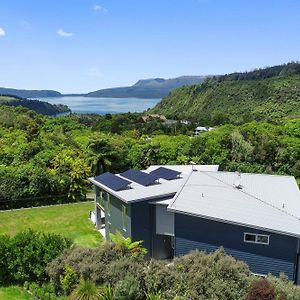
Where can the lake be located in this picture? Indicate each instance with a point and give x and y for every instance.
(95, 105)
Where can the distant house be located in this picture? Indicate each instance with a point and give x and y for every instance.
(201, 129)
(151, 117)
(176, 209)
(185, 122)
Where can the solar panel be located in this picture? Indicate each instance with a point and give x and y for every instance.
(112, 181)
(140, 177)
(165, 173)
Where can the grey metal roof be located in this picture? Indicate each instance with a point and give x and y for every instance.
(265, 202)
(164, 188)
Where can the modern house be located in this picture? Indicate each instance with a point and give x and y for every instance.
(198, 130)
(176, 209)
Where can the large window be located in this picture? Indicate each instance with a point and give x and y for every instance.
(124, 217)
(108, 203)
(100, 198)
(256, 238)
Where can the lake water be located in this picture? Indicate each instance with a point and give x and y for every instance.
(103, 106)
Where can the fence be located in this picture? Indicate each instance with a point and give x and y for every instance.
(37, 201)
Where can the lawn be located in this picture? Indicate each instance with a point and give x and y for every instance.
(71, 220)
(13, 293)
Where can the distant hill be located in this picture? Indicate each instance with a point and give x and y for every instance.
(40, 107)
(148, 88)
(268, 94)
(29, 93)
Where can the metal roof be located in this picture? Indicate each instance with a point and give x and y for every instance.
(138, 192)
(266, 202)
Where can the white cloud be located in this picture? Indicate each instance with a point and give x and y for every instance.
(99, 8)
(63, 33)
(2, 32)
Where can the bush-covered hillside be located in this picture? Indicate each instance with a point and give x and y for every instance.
(267, 94)
(45, 159)
(38, 106)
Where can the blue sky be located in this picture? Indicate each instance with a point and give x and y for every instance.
(78, 46)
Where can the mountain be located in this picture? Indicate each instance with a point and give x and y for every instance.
(148, 88)
(29, 93)
(38, 106)
(268, 94)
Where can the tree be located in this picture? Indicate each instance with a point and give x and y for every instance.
(135, 247)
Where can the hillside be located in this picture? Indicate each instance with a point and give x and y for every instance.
(148, 88)
(38, 106)
(29, 93)
(266, 94)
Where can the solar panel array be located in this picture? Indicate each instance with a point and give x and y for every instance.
(112, 181)
(140, 177)
(165, 173)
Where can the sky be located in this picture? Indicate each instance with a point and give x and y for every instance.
(78, 46)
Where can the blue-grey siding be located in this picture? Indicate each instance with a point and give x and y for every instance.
(113, 217)
(141, 223)
(196, 233)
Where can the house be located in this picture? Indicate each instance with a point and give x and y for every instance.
(176, 209)
(152, 117)
(201, 129)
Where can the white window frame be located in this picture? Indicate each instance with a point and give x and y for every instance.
(256, 238)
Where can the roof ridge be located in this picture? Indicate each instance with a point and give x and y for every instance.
(252, 196)
(181, 188)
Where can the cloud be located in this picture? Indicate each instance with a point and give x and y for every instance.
(99, 8)
(63, 33)
(2, 32)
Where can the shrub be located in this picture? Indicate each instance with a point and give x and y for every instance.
(107, 293)
(93, 264)
(285, 289)
(45, 291)
(120, 268)
(261, 290)
(5, 275)
(25, 256)
(128, 289)
(86, 290)
(69, 280)
(160, 277)
(211, 276)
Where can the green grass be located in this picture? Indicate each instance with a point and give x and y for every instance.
(13, 293)
(71, 220)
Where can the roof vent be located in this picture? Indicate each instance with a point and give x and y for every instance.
(237, 182)
(193, 164)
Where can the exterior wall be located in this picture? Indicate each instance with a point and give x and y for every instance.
(196, 233)
(141, 223)
(114, 216)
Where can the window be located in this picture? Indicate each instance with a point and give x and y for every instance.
(101, 202)
(256, 238)
(100, 198)
(108, 203)
(108, 228)
(124, 217)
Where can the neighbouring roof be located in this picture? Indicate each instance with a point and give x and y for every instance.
(164, 188)
(266, 202)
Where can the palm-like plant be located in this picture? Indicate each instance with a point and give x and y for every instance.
(107, 293)
(135, 247)
(86, 290)
(153, 296)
